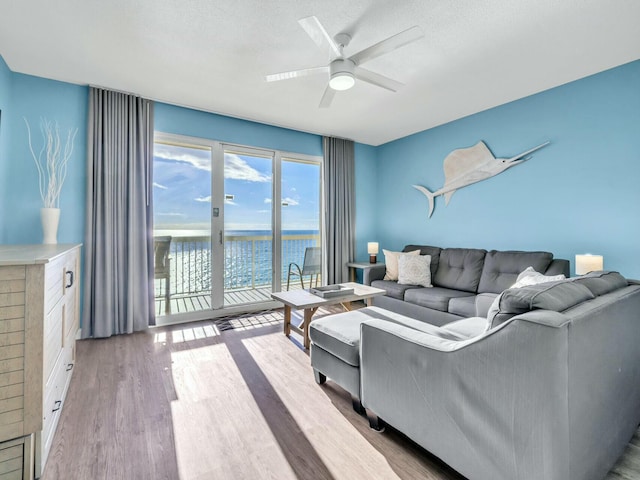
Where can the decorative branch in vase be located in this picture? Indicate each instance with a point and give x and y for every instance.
(51, 162)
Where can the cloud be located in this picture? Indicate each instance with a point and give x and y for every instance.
(228, 201)
(293, 189)
(170, 214)
(200, 159)
(236, 168)
(204, 199)
(288, 200)
(157, 185)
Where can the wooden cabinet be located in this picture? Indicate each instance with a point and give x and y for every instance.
(39, 320)
(16, 459)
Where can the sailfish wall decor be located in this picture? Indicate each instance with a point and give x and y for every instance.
(465, 166)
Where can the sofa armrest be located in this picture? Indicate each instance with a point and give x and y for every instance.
(375, 272)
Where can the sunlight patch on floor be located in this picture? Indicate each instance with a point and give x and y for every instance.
(322, 422)
(216, 416)
(194, 333)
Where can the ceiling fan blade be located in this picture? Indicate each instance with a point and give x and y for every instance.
(377, 79)
(274, 77)
(390, 44)
(327, 98)
(319, 35)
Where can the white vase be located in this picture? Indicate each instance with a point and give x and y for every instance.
(50, 218)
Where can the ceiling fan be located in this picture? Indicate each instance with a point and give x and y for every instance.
(343, 72)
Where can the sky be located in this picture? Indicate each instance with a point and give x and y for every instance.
(183, 197)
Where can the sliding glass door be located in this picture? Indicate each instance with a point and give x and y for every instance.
(182, 227)
(300, 223)
(228, 221)
(248, 226)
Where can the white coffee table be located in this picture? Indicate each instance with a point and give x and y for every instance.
(303, 300)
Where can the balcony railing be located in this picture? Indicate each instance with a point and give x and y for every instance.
(247, 262)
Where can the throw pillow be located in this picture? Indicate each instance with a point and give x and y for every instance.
(391, 260)
(414, 270)
(530, 277)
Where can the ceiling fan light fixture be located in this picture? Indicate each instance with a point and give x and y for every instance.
(342, 81)
(341, 74)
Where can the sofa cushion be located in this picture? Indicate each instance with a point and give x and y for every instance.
(483, 303)
(436, 298)
(391, 261)
(466, 328)
(463, 306)
(393, 289)
(460, 269)
(555, 296)
(600, 283)
(414, 270)
(501, 269)
(339, 335)
(433, 252)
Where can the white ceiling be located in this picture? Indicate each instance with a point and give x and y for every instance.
(213, 54)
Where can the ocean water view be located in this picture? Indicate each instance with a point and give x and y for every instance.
(247, 257)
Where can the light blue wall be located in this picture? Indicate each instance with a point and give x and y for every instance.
(366, 194)
(33, 98)
(5, 113)
(580, 194)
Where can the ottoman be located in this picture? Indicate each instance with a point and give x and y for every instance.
(335, 350)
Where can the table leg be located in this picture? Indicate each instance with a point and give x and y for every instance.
(369, 302)
(352, 274)
(308, 313)
(287, 320)
(347, 306)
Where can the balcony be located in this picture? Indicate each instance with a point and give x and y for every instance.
(247, 270)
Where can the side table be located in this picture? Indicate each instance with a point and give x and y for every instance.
(353, 266)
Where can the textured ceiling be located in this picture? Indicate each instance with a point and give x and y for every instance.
(213, 54)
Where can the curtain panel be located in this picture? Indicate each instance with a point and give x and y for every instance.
(339, 211)
(118, 287)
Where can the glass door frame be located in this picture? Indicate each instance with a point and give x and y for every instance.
(217, 222)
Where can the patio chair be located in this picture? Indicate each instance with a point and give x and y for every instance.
(161, 247)
(310, 266)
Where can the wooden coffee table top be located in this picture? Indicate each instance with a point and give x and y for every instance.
(302, 299)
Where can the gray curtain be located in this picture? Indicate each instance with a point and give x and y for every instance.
(339, 209)
(118, 286)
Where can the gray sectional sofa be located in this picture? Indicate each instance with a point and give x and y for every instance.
(465, 281)
(547, 387)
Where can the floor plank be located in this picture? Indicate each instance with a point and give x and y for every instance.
(226, 399)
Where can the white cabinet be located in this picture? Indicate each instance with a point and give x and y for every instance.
(39, 319)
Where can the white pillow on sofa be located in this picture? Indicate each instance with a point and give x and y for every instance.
(391, 260)
(414, 270)
(530, 277)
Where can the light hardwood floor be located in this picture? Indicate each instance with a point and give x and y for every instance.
(195, 401)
